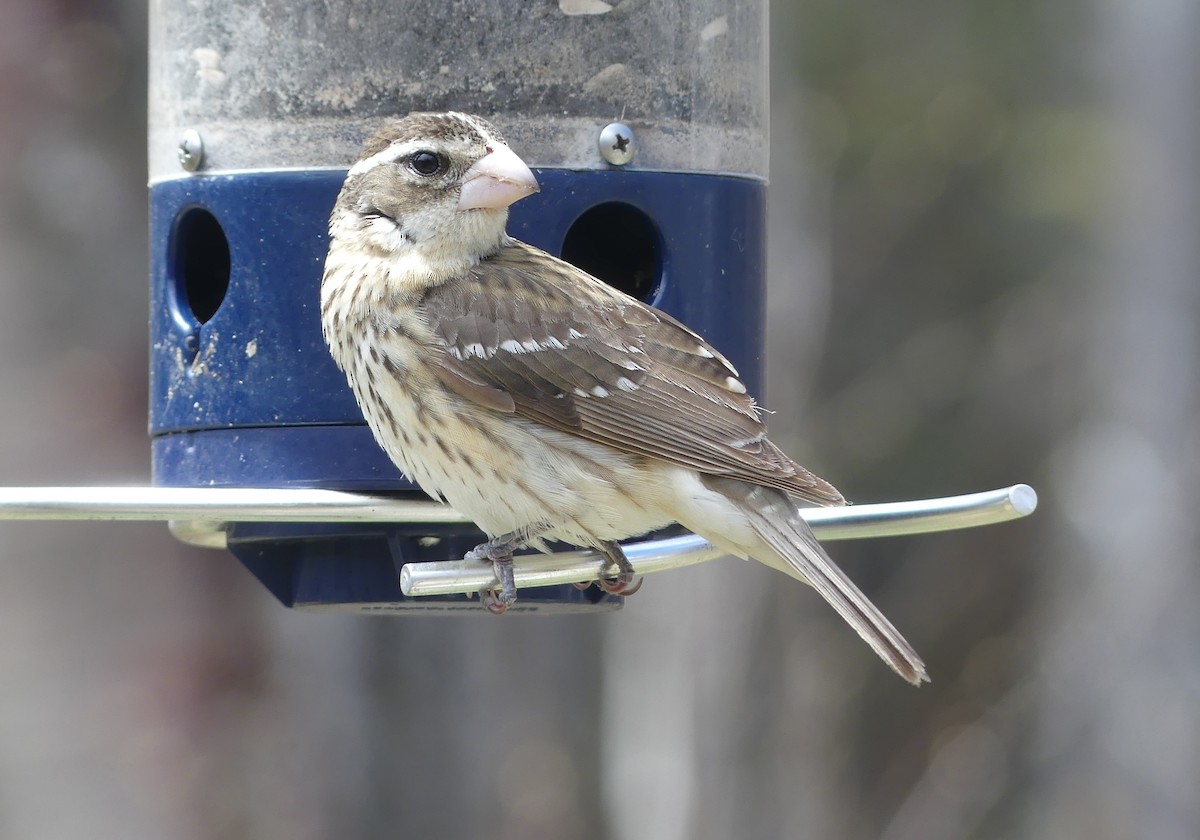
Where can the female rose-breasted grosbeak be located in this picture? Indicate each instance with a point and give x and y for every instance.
(538, 400)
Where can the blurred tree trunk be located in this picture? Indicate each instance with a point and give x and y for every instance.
(483, 726)
(1119, 721)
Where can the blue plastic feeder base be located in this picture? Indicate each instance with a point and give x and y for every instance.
(243, 392)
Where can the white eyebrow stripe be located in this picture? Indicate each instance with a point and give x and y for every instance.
(475, 124)
(391, 154)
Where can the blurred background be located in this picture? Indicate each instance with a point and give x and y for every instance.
(983, 271)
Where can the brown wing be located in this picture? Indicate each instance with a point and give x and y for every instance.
(528, 334)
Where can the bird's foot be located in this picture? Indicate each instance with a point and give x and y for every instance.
(498, 552)
(624, 582)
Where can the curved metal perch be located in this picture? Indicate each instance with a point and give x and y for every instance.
(199, 515)
(840, 523)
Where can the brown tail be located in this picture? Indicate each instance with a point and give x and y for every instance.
(788, 544)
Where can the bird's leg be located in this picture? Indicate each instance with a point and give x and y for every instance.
(624, 582)
(498, 552)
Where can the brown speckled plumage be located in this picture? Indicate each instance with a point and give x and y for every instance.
(536, 399)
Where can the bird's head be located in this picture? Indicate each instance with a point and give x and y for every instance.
(431, 188)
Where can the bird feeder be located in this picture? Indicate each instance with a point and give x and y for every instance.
(646, 127)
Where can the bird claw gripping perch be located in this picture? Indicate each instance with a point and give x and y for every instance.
(498, 552)
(625, 581)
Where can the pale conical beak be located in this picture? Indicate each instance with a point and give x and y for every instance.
(496, 180)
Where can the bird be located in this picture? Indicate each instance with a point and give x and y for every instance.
(539, 401)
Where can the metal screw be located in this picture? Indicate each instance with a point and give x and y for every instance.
(616, 143)
(191, 150)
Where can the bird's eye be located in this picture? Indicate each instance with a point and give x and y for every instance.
(426, 163)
